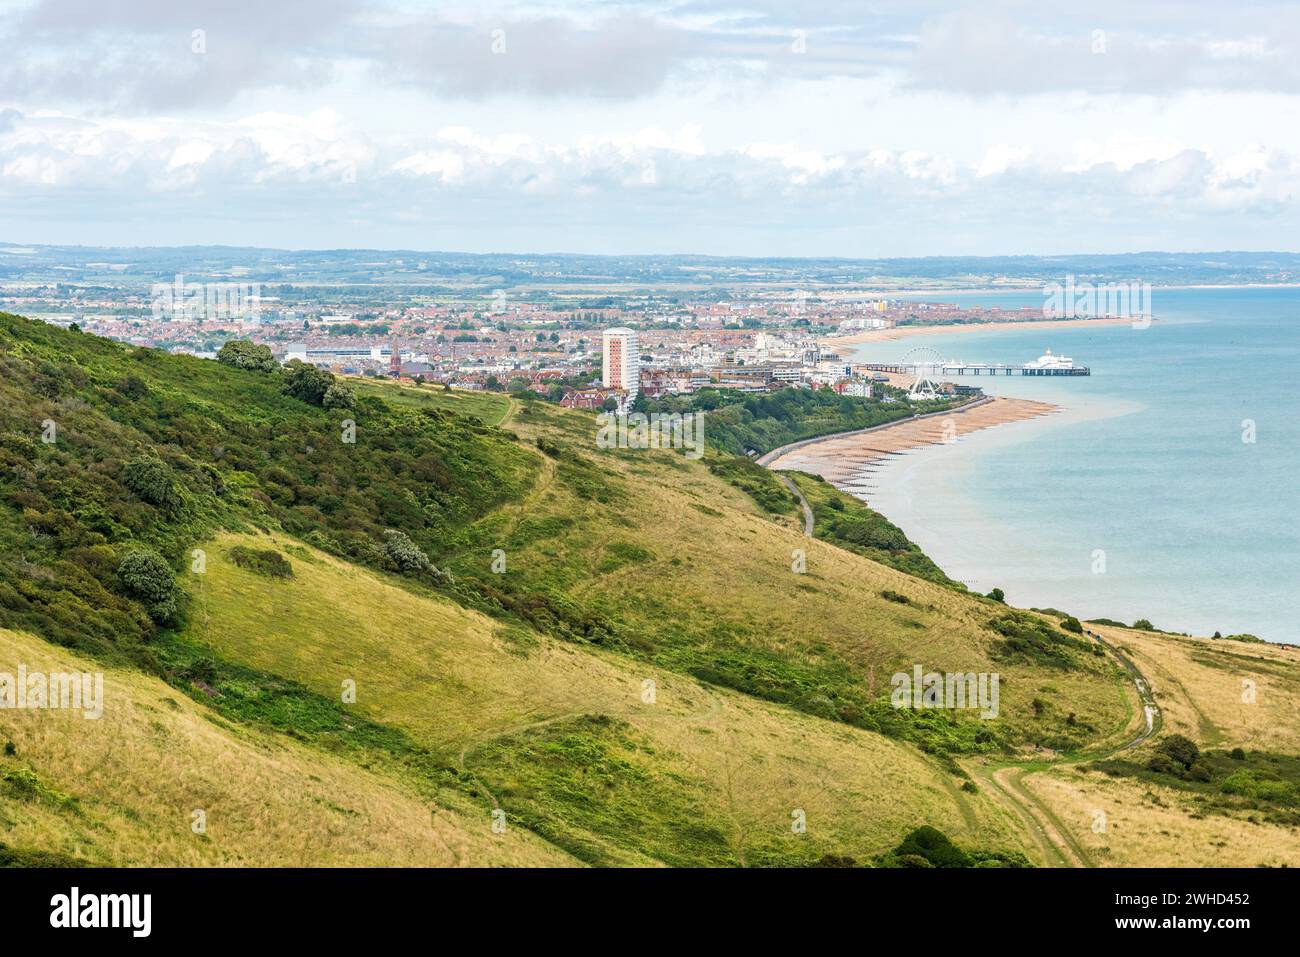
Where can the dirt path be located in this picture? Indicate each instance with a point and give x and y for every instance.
(1005, 783)
(807, 509)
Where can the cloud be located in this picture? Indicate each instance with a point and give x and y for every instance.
(271, 162)
(983, 52)
(621, 56)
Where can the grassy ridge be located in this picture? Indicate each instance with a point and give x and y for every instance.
(223, 447)
(499, 598)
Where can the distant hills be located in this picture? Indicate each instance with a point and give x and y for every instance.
(119, 265)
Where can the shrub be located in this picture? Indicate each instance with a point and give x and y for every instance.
(895, 597)
(242, 354)
(147, 577)
(306, 382)
(1237, 754)
(1072, 624)
(339, 396)
(932, 845)
(1030, 639)
(1179, 749)
(1161, 764)
(403, 553)
(998, 595)
(1143, 625)
(1260, 785)
(263, 561)
(151, 479)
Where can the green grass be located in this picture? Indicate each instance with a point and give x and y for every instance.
(490, 408)
(1259, 783)
(841, 519)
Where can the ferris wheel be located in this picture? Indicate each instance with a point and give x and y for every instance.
(927, 369)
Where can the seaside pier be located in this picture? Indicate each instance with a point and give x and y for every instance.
(1048, 364)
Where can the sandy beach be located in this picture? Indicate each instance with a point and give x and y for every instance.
(843, 345)
(846, 461)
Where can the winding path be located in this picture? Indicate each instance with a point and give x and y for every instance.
(1005, 782)
(807, 509)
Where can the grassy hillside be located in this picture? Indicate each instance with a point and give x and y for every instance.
(500, 597)
(564, 738)
(123, 789)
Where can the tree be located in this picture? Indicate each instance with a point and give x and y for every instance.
(998, 595)
(242, 354)
(151, 479)
(404, 554)
(339, 396)
(609, 405)
(306, 382)
(1180, 748)
(149, 578)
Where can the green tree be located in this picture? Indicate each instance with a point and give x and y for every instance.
(151, 479)
(242, 354)
(339, 396)
(147, 577)
(306, 382)
(1180, 748)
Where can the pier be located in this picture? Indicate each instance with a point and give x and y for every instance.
(972, 368)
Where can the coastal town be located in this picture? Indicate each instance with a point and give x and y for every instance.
(755, 341)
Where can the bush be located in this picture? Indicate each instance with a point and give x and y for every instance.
(242, 354)
(1072, 624)
(1030, 639)
(151, 479)
(339, 396)
(1180, 749)
(932, 846)
(263, 561)
(306, 382)
(147, 577)
(1237, 754)
(403, 553)
(1161, 764)
(998, 595)
(1260, 785)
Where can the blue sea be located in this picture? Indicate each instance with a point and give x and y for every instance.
(1168, 488)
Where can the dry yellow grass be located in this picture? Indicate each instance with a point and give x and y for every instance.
(447, 677)
(155, 756)
(1145, 825)
(1221, 694)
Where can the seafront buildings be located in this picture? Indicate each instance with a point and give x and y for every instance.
(587, 352)
(621, 362)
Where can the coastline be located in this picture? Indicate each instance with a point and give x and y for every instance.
(847, 459)
(842, 345)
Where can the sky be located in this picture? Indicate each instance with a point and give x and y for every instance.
(705, 126)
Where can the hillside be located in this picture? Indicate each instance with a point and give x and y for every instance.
(638, 658)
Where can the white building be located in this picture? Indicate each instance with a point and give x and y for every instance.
(621, 368)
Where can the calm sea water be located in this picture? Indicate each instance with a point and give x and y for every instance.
(1141, 499)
